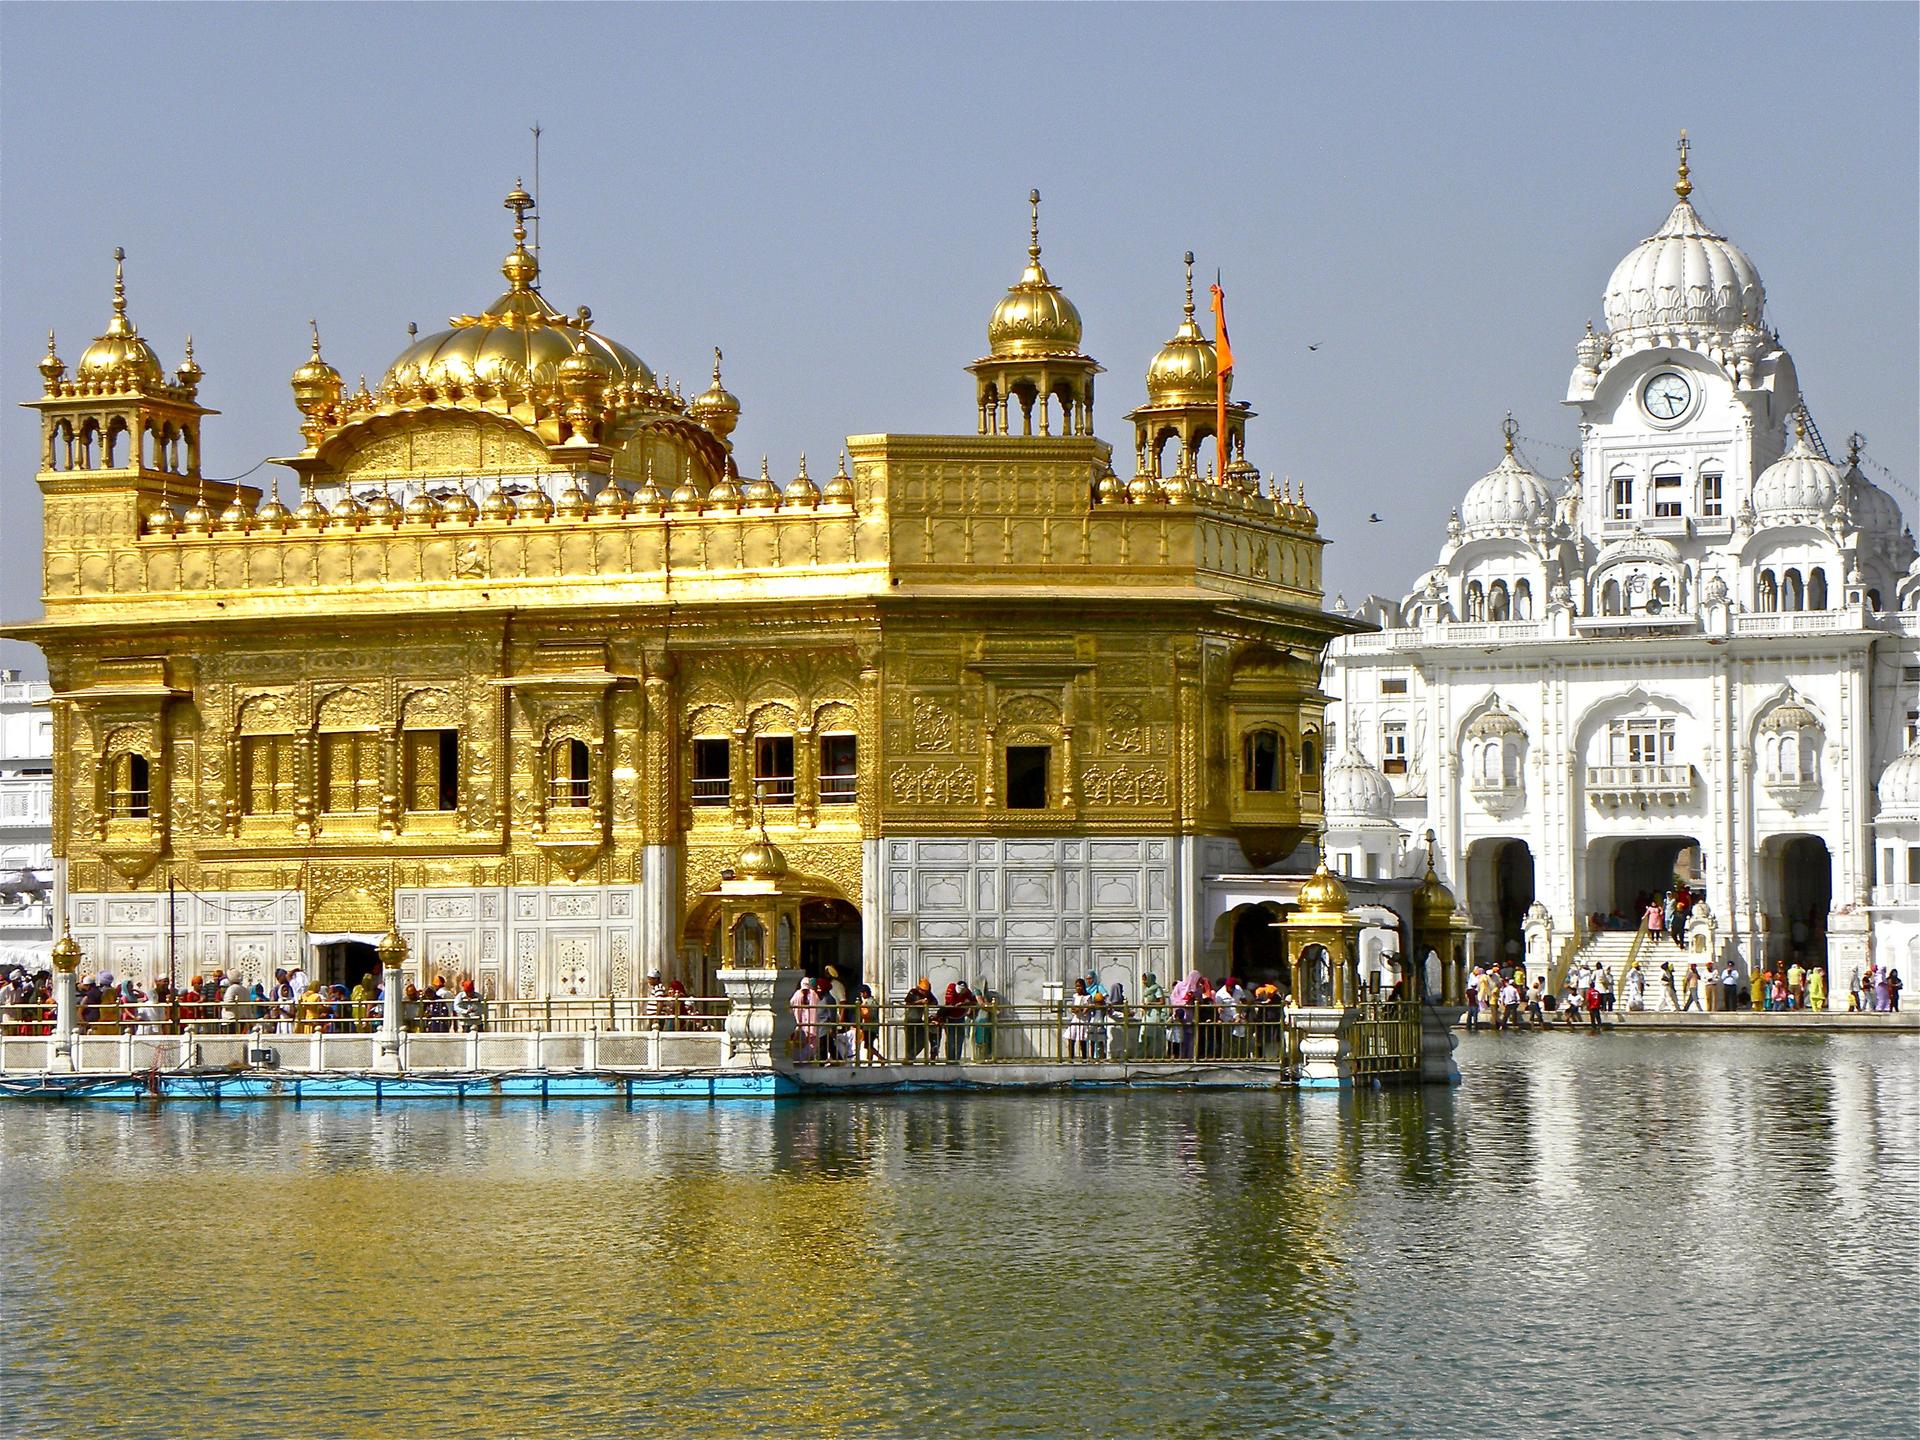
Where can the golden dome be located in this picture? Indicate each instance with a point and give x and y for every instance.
(801, 491)
(498, 505)
(162, 520)
(349, 511)
(1110, 489)
(1143, 489)
(1432, 901)
(271, 514)
(316, 384)
(611, 502)
(723, 494)
(311, 514)
(761, 491)
(1323, 894)
(648, 500)
(839, 489)
(120, 356)
(459, 506)
(52, 367)
(423, 509)
(236, 517)
(535, 503)
(381, 510)
(1034, 317)
(514, 348)
(198, 520)
(718, 408)
(1185, 370)
(761, 860)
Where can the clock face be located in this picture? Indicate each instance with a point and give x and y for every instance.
(1667, 395)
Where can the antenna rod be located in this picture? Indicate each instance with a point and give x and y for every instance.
(536, 191)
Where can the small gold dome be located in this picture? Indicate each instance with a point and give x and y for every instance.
(317, 386)
(535, 504)
(236, 517)
(801, 492)
(687, 495)
(1323, 894)
(198, 520)
(1177, 488)
(723, 494)
(311, 514)
(497, 506)
(392, 950)
(120, 356)
(1034, 317)
(380, 510)
(762, 860)
(349, 511)
(839, 489)
(611, 502)
(573, 500)
(423, 509)
(52, 367)
(1186, 369)
(189, 374)
(459, 507)
(67, 954)
(761, 492)
(1432, 901)
(271, 515)
(718, 409)
(1111, 489)
(648, 500)
(162, 520)
(1143, 489)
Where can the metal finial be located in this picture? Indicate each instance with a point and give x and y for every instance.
(119, 281)
(1574, 455)
(1189, 260)
(803, 463)
(717, 357)
(312, 324)
(413, 329)
(519, 201)
(1033, 239)
(1683, 187)
(50, 342)
(765, 474)
(1856, 442)
(1509, 428)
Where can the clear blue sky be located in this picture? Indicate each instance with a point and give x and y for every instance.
(1433, 194)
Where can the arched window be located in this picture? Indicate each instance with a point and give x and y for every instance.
(1767, 596)
(1793, 591)
(1476, 601)
(130, 787)
(572, 777)
(1610, 598)
(1309, 764)
(1497, 601)
(1522, 600)
(1313, 977)
(1873, 600)
(1261, 753)
(1662, 600)
(1816, 589)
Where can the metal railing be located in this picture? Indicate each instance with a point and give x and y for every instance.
(1386, 1037)
(712, 792)
(1057, 1033)
(559, 1016)
(839, 789)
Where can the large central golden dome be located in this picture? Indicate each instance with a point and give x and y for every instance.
(514, 346)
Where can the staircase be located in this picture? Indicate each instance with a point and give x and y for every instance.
(1616, 949)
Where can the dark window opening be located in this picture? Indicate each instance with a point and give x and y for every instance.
(131, 794)
(712, 772)
(433, 770)
(1027, 776)
(839, 770)
(1260, 760)
(773, 769)
(572, 775)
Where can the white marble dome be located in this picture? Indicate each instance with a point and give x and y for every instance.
(1356, 791)
(1873, 509)
(1507, 495)
(1684, 277)
(1799, 482)
(1899, 788)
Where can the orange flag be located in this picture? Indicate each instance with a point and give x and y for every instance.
(1224, 354)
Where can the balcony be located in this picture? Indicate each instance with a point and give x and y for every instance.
(839, 789)
(1613, 787)
(1498, 793)
(712, 791)
(26, 803)
(35, 915)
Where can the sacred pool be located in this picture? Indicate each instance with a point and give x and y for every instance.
(1587, 1229)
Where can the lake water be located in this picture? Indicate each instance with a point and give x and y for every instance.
(1630, 1234)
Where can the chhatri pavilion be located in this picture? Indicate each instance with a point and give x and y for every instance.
(531, 671)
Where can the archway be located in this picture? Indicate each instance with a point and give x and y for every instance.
(1803, 895)
(1257, 952)
(1639, 869)
(830, 935)
(1500, 891)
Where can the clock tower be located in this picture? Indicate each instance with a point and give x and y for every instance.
(1686, 395)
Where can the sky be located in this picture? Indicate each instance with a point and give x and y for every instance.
(1431, 195)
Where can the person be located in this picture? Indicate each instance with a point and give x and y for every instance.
(1883, 992)
(1473, 1001)
(1509, 1005)
(1729, 986)
(653, 1009)
(1536, 1003)
(1669, 998)
(956, 1011)
(1653, 920)
(1636, 987)
(308, 1011)
(1118, 1044)
(1606, 988)
(1894, 987)
(1682, 908)
(1153, 1018)
(1593, 1008)
(1691, 986)
(805, 1006)
(1757, 989)
(919, 1004)
(984, 1021)
(866, 1027)
(1796, 986)
(469, 1009)
(362, 999)
(1233, 1029)
(1186, 1015)
(1816, 987)
(233, 1006)
(1079, 1013)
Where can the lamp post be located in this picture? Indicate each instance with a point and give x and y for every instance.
(392, 951)
(66, 959)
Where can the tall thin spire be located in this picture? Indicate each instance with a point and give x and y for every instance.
(119, 325)
(1189, 308)
(1033, 234)
(1682, 186)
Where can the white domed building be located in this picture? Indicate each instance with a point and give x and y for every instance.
(1696, 653)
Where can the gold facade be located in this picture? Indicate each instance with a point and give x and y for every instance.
(526, 591)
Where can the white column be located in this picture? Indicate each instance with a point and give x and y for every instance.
(393, 954)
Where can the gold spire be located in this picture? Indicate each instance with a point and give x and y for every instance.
(52, 367)
(1189, 307)
(1509, 429)
(1682, 186)
(520, 268)
(120, 324)
(1033, 233)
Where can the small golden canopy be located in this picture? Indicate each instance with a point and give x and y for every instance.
(1185, 370)
(1034, 317)
(1432, 901)
(120, 356)
(1323, 894)
(761, 860)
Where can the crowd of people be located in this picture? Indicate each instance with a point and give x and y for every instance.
(292, 1004)
(1096, 1020)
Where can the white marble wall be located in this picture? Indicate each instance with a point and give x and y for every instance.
(1021, 914)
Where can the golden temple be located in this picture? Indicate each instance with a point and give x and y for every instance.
(531, 662)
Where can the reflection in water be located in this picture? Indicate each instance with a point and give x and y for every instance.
(1710, 1233)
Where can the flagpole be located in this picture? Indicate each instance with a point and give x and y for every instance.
(1223, 366)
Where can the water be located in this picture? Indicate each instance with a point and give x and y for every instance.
(1658, 1235)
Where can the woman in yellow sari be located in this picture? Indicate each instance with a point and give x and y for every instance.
(1759, 989)
(1816, 987)
(310, 1013)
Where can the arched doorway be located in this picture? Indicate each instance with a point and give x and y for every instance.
(1637, 870)
(1257, 947)
(1500, 891)
(346, 962)
(1803, 891)
(830, 935)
